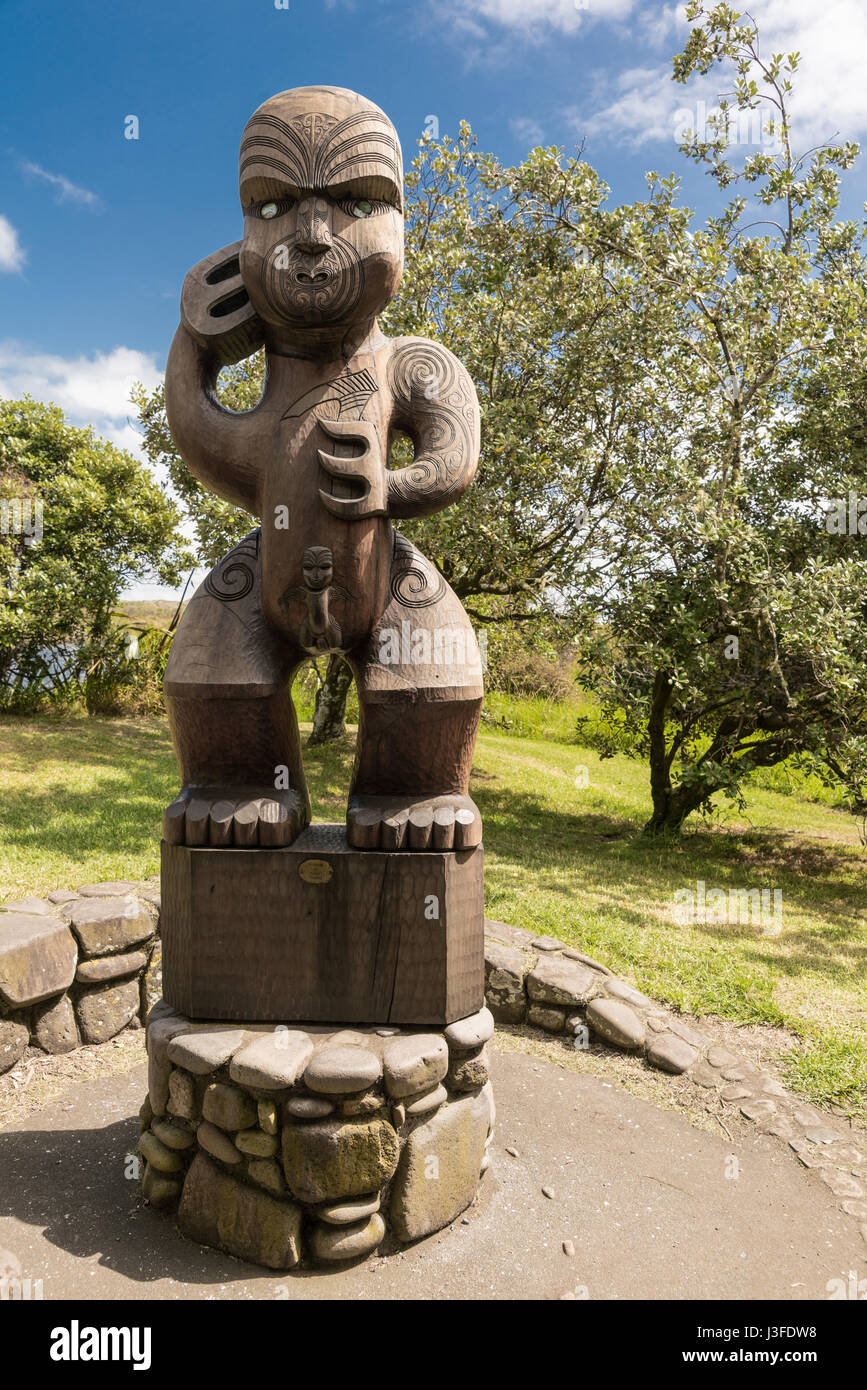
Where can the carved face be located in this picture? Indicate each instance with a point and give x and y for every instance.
(318, 567)
(321, 180)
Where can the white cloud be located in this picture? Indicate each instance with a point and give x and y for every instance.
(830, 95)
(526, 130)
(563, 16)
(90, 390)
(67, 191)
(12, 256)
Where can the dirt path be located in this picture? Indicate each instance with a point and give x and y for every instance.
(650, 1203)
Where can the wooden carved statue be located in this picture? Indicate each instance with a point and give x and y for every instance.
(322, 254)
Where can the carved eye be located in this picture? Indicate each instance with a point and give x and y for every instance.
(269, 210)
(361, 208)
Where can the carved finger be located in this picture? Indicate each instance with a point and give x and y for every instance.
(220, 827)
(275, 824)
(419, 829)
(362, 829)
(173, 821)
(394, 830)
(443, 829)
(246, 824)
(198, 819)
(468, 829)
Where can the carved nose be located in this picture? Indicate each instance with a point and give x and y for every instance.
(314, 234)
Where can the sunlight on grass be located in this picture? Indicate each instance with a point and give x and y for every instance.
(82, 800)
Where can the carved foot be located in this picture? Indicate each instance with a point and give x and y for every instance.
(234, 817)
(392, 822)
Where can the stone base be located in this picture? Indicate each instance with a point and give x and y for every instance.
(289, 1144)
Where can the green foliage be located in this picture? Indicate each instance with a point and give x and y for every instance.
(105, 522)
(120, 683)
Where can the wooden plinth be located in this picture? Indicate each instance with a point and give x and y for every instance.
(319, 932)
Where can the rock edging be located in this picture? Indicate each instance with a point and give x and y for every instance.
(77, 967)
(541, 982)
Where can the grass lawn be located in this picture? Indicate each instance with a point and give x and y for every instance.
(80, 800)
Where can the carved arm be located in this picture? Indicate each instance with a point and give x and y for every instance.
(435, 403)
(218, 326)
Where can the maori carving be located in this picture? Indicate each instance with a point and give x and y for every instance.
(319, 632)
(234, 577)
(321, 188)
(431, 389)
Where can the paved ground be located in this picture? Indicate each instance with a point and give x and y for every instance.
(643, 1195)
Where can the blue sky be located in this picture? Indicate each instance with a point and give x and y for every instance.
(97, 231)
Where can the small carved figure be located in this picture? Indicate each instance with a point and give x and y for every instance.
(321, 186)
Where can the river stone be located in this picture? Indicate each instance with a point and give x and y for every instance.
(173, 1136)
(246, 1222)
(266, 1110)
(272, 1061)
(366, 1104)
(37, 958)
(329, 1160)
(620, 989)
(217, 1143)
(422, 1105)
(228, 1107)
(103, 1012)
(690, 1035)
(152, 979)
(439, 1168)
(329, 1244)
(158, 1188)
(160, 1032)
(182, 1095)
(468, 1073)
(206, 1050)
(111, 967)
(670, 1053)
(471, 1031)
(257, 1144)
(14, 1037)
(39, 907)
(346, 1213)
(117, 888)
(309, 1107)
(158, 1154)
(616, 1023)
(547, 1017)
(555, 980)
(505, 968)
(341, 1070)
(841, 1184)
(415, 1063)
(721, 1057)
(513, 936)
(54, 1026)
(59, 896)
(586, 960)
(109, 926)
(266, 1172)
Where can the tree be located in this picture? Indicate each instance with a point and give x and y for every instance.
(739, 610)
(80, 520)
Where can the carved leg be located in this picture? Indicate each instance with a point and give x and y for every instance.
(420, 695)
(233, 723)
